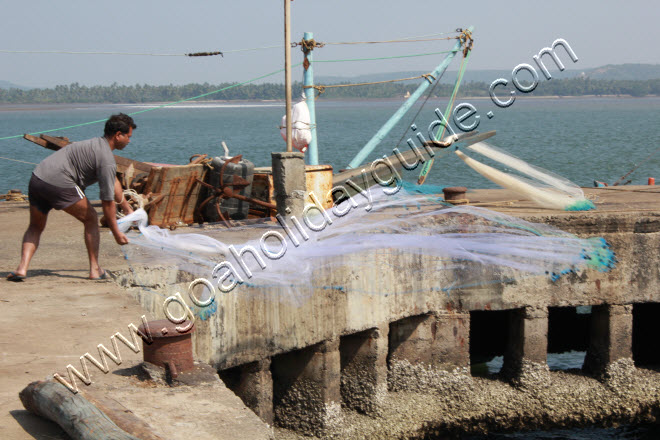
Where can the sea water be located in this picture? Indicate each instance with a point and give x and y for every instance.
(582, 139)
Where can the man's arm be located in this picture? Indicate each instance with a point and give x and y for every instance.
(110, 214)
(120, 199)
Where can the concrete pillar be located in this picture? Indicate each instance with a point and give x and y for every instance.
(527, 341)
(441, 341)
(306, 389)
(451, 341)
(289, 183)
(364, 370)
(255, 388)
(610, 337)
(411, 339)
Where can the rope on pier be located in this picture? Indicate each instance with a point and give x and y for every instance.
(14, 195)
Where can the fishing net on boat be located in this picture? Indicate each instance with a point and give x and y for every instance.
(541, 186)
(380, 241)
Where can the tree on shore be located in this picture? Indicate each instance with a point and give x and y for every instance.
(144, 93)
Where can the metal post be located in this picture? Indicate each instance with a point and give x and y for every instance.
(396, 117)
(287, 72)
(310, 95)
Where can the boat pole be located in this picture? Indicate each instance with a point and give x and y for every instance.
(396, 117)
(310, 97)
(287, 72)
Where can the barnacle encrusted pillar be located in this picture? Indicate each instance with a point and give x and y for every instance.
(610, 337)
(306, 388)
(451, 337)
(255, 387)
(364, 369)
(437, 340)
(528, 342)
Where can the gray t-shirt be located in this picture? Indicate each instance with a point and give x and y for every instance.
(81, 164)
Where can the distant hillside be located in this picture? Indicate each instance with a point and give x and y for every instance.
(7, 85)
(593, 82)
(638, 72)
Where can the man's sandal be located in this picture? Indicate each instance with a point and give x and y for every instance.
(103, 276)
(13, 276)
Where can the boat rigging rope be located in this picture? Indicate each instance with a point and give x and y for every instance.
(383, 58)
(204, 54)
(426, 169)
(223, 89)
(321, 88)
(414, 118)
(16, 160)
(194, 54)
(311, 44)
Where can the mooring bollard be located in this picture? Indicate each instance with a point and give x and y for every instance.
(171, 348)
(455, 195)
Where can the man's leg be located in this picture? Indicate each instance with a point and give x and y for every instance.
(31, 239)
(83, 211)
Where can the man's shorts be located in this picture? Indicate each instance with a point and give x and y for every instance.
(45, 196)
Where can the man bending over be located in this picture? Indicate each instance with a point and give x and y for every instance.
(59, 182)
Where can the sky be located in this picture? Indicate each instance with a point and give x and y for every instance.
(506, 33)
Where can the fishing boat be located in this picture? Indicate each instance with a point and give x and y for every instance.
(230, 189)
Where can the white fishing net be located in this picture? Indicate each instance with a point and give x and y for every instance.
(541, 186)
(359, 245)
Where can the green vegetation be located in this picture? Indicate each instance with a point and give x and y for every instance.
(115, 93)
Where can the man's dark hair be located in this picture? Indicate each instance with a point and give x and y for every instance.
(120, 122)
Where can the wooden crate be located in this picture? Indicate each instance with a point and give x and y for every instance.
(175, 191)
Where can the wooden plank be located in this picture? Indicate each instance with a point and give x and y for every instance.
(59, 141)
(42, 142)
(72, 412)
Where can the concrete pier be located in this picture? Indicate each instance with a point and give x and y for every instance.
(342, 358)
